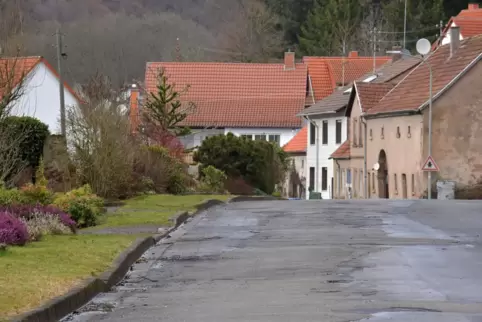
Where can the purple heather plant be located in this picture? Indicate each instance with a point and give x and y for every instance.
(28, 212)
(12, 230)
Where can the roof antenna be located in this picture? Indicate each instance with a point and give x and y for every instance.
(178, 50)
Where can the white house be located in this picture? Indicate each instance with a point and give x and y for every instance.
(259, 101)
(327, 125)
(40, 93)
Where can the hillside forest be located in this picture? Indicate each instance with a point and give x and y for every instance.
(117, 37)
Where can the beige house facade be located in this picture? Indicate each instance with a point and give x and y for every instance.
(389, 128)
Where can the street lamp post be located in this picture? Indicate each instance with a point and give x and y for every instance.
(423, 47)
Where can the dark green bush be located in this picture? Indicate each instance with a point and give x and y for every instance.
(33, 134)
(262, 164)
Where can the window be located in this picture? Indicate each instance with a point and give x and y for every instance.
(398, 132)
(383, 133)
(312, 134)
(355, 183)
(312, 178)
(395, 183)
(338, 131)
(247, 136)
(409, 134)
(360, 136)
(324, 131)
(354, 132)
(371, 134)
(324, 178)
(274, 138)
(348, 176)
(374, 188)
(302, 164)
(260, 137)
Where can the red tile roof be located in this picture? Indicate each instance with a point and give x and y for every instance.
(343, 151)
(298, 143)
(412, 92)
(13, 70)
(469, 21)
(321, 75)
(20, 67)
(355, 67)
(237, 94)
(370, 94)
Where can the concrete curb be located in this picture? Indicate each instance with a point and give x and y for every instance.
(62, 306)
(253, 198)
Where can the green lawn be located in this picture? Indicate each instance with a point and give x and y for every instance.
(154, 209)
(40, 271)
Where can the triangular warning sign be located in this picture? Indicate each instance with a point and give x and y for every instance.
(430, 165)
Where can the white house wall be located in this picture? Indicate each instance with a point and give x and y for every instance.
(285, 134)
(325, 150)
(41, 98)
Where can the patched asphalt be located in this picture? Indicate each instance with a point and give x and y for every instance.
(309, 261)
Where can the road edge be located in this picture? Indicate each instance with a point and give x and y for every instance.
(61, 306)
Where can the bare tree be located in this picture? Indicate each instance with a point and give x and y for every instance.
(255, 35)
(99, 139)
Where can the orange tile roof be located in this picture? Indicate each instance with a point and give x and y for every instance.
(298, 143)
(20, 67)
(355, 67)
(412, 92)
(469, 21)
(13, 70)
(370, 94)
(322, 80)
(237, 94)
(343, 151)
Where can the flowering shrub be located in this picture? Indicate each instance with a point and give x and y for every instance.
(37, 194)
(29, 212)
(213, 180)
(82, 204)
(12, 230)
(39, 225)
(11, 197)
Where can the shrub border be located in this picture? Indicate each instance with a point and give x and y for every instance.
(60, 307)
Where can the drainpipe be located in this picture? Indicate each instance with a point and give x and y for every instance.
(365, 174)
(339, 177)
(317, 151)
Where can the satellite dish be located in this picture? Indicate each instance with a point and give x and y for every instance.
(376, 166)
(423, 46)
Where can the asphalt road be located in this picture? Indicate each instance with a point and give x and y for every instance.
(310, 261)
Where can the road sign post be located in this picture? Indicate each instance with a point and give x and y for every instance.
(429, 165)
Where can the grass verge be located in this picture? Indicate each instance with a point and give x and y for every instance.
(154, 209)
(40, 271)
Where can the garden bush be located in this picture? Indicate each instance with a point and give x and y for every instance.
(11, 197)
(262, 164)
(29, 135)
(29, 212)
(12, 230)
(168, 173)
(82, 204)
(212, 180)
(41, 224)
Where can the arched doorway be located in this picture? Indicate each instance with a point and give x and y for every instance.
(383, 191)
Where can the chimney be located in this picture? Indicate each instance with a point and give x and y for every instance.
(473, 6)
(353, 54)
(396, 56)
(454, 39)
(134, 108)
(289, 60)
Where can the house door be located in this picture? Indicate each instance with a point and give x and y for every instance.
(383, 187)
